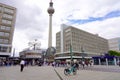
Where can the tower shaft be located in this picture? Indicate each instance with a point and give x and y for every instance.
(50, 32)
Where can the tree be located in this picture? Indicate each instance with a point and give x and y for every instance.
(114, 53)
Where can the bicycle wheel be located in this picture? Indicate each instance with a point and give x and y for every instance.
(74, 72)
(66, 72)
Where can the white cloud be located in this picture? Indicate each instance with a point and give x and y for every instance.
(83, 9)
(108, 28)
(32, 19)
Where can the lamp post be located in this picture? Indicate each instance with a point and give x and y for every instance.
(71, 54)
(13, 52)
(82, 53)
(43, 55)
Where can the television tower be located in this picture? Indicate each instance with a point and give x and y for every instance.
(50, 11)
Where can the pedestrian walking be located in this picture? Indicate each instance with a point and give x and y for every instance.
(22, 64)
(76, 65)
(83, 64)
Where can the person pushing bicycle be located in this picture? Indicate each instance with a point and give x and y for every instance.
(71, 68)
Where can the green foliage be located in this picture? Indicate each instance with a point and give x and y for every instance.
(114, 53)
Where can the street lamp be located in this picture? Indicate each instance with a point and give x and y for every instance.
(71, 54)
(43, 55)
(82, 53)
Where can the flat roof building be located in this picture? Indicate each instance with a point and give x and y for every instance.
(81, 41)
(7, 24)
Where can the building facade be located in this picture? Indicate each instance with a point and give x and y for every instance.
(32, 56)
(83, 43)
(114, 44)
(7, 24)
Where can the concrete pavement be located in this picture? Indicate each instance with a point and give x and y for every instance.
(48, 73)
(90, 74)
(29, 73)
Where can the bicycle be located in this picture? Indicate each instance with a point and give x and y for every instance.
(68, 71)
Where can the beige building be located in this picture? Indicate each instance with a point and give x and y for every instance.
(114, 44)
(7, 24)
(31, 54)
(81, 42)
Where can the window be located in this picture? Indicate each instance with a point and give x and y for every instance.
(5, 40)
(1, 40)
(8, 10)
(8, 28)
(7, 34)
(67, 30)
(0, 8)
(6, 21)
(9, 22)
(2, 27)
(11, 11)
(7, 16)
(1, 33)
(4, 34)
(3, 49)
(3, 21)
(5, 28)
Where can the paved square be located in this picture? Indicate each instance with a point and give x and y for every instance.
(48, 73)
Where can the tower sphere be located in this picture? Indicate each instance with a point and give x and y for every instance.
(50, 10)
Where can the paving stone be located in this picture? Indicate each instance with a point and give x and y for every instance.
(48, 73)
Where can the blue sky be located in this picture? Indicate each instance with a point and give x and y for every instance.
(91, 19)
